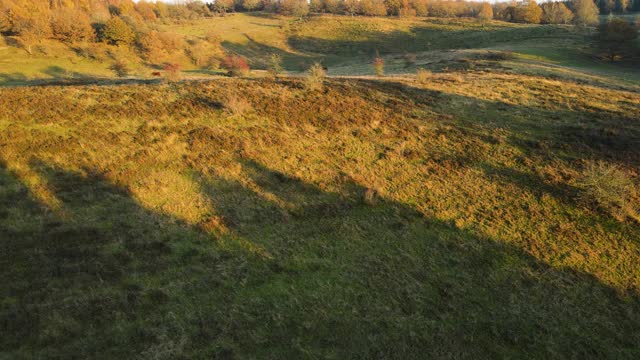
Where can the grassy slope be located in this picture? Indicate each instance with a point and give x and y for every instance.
(345, 44)
(17, 67)
(375, 219)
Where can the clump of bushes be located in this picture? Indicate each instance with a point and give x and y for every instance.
(117, 32)
(236, 65)
(158, 47)
(315, 77)
(72, 25)
(423, 76)
(609, 188)
(201, 53)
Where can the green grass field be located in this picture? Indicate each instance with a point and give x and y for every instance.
(346, 45)
(375, 218)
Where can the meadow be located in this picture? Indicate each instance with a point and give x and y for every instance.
(399, 217)
(345, 45)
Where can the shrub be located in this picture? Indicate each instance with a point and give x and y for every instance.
(158, 47)
(236, 65)
(31, 30)
(121, 68)
(606, 186)
(315, 77)
(486, 12)
(275, 65)
(378, 65)
(201, 53)
(615, 37)
(171, 71)
(71, 25)
(117, 32)
(423, 76)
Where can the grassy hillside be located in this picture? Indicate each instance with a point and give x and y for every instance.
(373, 219)
(346, 45)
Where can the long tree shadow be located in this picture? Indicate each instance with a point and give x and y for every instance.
(349, 274)
(351, 263)
(418, 38)
(343, 273)
(564, 133)
(259, 54)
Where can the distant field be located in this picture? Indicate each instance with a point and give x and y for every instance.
(632, 16)
(344, 44)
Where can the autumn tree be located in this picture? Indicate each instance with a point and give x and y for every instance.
(623, 5)
(528, 12)
(251, 5)
(331, 6)
(393, 6)
(146, 10)
(616, 37)
(556, 13)
(223, 6)
(486, 12)
(71, 25)
(32, 28)
(117, 32)
(421, 6)
(373, 7)
(406, 10)
(586, 12)
(296, 8)
(161, 10)
(351, 7)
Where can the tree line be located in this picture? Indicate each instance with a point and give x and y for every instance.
(46, 18)
(119, 22)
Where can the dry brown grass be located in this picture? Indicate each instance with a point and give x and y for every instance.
(453, 196)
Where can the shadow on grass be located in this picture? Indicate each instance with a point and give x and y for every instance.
(346, 274)
(416, 39)
(569, 134)
(13, 78)
(258, 53)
